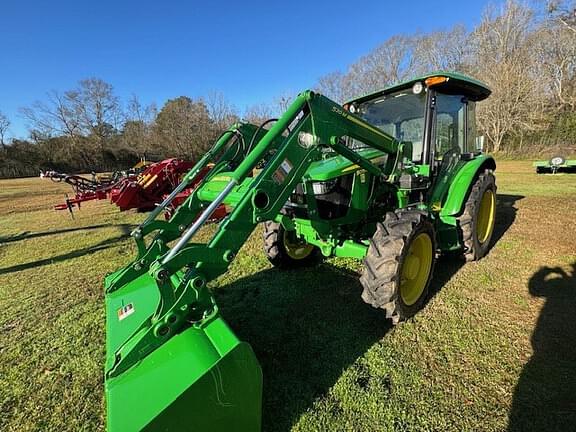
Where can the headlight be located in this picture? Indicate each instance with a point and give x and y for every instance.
(417, 88)
(306, 139)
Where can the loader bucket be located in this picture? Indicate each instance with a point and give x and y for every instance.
(201, 379)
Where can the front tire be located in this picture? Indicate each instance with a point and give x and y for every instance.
(479, 216)
(284, 250)
(399, 264)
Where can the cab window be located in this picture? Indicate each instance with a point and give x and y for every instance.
(400, 114)
(450, 124)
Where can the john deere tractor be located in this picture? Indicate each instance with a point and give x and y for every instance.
(392, 178)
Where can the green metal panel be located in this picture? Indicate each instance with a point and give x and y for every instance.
(127, 310)
(448, 195)
(351, 249)
(459, 184)
(337, 165)
(209, 190)
(318, 234)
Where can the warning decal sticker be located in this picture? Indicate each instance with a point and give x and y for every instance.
(125, 311)
(282, 171)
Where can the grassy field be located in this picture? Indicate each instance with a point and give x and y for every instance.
(494, 349)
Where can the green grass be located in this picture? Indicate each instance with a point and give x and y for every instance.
(494, 348)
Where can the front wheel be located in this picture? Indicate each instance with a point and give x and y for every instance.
(399, 264)
(285, 250)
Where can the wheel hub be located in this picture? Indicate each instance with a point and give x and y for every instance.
(416, 268)
(295, 248)
(411, 266)
(486, 212)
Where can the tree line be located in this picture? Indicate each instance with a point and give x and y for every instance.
(527, 56)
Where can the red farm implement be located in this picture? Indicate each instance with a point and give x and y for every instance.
(85, 189)
(148, 190)
(132, 190)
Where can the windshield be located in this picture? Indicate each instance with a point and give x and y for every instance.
(400, 114)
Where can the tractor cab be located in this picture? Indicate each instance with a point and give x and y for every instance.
(435, 113)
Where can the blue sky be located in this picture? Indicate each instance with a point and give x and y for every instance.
(251, 51)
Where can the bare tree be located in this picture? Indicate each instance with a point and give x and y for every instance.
(389, 63)
(259, 113)
(282, 102)
(90, 110)
(222, 112)
(441, 50)
(137, 132)
(97, 108)
(136, 111)
(503, 59)
(86, 116)
(4, 126)
(331, 85)
(56, 116)
(565, 12)
(555, 50)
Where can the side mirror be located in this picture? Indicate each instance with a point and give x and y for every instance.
(480, 143)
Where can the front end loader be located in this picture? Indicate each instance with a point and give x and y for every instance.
(392, 178)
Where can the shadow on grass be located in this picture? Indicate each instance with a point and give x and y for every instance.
(306, 327)
(545, 395)
(449, 263)
(29, 235)
(505, 214)
(105, 244)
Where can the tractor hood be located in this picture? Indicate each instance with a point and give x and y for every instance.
(336, 166)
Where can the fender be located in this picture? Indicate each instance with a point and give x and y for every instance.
(460, 185)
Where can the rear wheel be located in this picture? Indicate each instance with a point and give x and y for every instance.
(284, 249)
(477, 221)
(399, 264)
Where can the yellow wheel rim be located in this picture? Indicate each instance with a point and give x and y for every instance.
(295, 248)
(486, 212)
(416, 269)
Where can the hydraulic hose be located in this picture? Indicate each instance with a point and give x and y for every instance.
(258, 130)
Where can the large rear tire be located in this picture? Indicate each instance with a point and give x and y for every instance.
(479, 216)
(284, 250)
(399, 264)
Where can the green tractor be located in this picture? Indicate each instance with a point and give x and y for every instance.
(392, 178)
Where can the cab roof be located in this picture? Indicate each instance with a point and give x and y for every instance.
(454, 83)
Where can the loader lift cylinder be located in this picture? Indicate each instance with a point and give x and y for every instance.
(199, 222)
